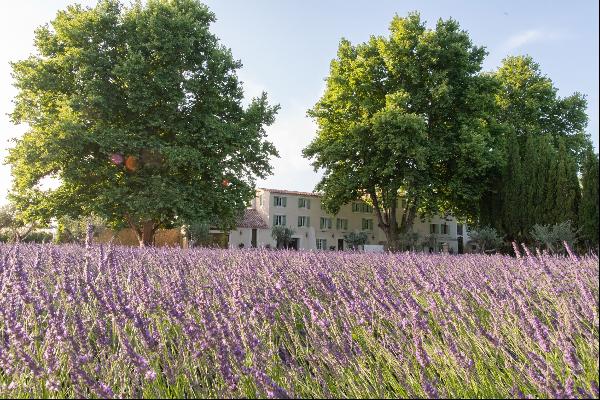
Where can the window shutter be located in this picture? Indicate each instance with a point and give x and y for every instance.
(283, 222)
(284, 201)
(307, 221)
(308, 203)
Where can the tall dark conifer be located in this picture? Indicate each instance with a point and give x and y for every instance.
(512, 190)
(566, 189)
(589, 210)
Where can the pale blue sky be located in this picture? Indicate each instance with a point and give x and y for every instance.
(286, 47)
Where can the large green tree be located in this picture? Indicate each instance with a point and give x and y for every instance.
(544, 147)
(138, 113)
(406, 115)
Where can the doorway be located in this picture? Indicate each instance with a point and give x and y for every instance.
(294, 243)
(461, 249)
(340, 244)
(253, 241)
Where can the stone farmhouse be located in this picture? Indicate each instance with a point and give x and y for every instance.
(315, 229)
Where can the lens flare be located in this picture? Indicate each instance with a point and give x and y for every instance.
(116, 159)
(131, 163)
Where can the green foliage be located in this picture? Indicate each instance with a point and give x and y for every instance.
(198, 232)
(282, 235)
(38, 237)
(137, 111)
(356, 239)
(545, 143)
(512, 190)
(12, 226)
(487, 238)
(74, 230)
(589, 214)
(552, 237)
(568, 191)
(409, 240)
(411, 114)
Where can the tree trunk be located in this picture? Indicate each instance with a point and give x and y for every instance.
(147, 236)
(408, 218)
(388, 222)
(144, 232)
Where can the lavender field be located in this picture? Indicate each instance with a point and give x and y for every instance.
(129, 322)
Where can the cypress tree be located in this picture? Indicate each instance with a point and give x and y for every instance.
(531, 170)
(549, 214)
(543, 189)
(566, 189)
(544, 200)
(512, 191)
(589, 208)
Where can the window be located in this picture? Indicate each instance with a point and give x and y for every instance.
(279, 220)
(444, 229)
(459, 229)
(367, 224)
(304, 203)
(321, 244)
(260, 200)
(433, 228)
(341, 224)
(279, 201)
(362, 207)
(325, 223)
(303, 221)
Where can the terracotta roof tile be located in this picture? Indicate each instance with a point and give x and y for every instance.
(252, 219)
(291, 192)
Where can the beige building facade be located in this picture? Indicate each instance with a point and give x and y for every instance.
(315, 229)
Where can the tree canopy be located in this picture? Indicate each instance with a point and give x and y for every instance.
(545, 142)
(407, 115)
(137, 111)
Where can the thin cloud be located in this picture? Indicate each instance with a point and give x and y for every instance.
(528, 37)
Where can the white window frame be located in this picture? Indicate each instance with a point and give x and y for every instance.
(321, 244)
(434, 229)
(325, 223)
(362, 207)
(303, 221)
(444, 229)
(341, 224)
(279, 220)
(303, 202)
(280, 201)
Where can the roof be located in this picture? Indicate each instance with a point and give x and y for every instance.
(291, 192)
(252, 219)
